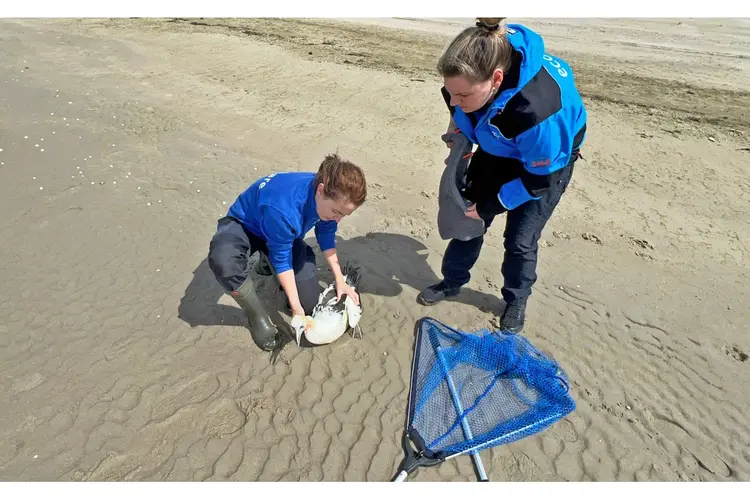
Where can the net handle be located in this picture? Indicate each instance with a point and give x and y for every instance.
(414, 459)
(459, 409)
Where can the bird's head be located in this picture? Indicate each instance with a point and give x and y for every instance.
(300, 324)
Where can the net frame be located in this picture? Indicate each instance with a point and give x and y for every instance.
(430, 326)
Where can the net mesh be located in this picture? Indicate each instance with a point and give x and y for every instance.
(472, 391)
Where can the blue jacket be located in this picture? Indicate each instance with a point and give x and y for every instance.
(279, 209)
(537, 119)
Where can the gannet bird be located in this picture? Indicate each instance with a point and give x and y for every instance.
(331, 317)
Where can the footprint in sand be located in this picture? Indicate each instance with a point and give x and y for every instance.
(194, 391)
(705, 458)
(736, 353)
(27, 383)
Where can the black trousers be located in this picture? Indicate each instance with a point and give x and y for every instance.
(230, 250)
(523, 227)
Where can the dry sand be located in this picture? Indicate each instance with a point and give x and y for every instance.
(121, 359)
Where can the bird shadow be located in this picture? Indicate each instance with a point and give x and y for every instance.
(390, 262)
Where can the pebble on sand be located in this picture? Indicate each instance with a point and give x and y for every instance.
(41, 188)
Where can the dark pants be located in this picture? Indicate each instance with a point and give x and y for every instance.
(230, 250)
(523, 227)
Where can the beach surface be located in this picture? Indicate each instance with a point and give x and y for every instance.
(123, 141)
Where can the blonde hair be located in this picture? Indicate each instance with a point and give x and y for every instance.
(342, 180)
(478, 51)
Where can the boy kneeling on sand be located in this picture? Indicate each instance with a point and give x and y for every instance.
(273, 216)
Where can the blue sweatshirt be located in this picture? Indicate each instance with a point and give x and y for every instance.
(279, 209)
(537, 119)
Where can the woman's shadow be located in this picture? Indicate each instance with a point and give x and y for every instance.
(389, 262)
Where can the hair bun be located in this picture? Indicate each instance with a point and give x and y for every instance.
(490, 23)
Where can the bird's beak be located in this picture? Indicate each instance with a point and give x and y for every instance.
(300, 324)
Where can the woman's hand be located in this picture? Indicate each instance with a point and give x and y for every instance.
(471, 211)
(289, 285)
(342, 288)
(452, 129)
(298, 311)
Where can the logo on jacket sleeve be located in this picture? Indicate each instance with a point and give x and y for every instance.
(555, 64)
(541, 163)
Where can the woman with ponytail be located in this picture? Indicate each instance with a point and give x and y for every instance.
(520, 106)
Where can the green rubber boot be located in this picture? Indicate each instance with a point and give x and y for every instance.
(262, 329)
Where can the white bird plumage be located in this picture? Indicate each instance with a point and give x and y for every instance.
(331, 317)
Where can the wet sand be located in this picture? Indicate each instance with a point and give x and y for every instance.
(123, 141)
